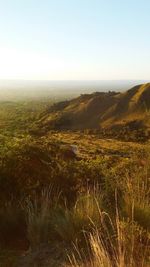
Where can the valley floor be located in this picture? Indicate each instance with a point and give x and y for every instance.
(88, 146)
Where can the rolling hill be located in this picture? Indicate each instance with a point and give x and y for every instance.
(101, 110)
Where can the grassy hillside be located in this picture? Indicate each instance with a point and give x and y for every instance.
(102, 111)
(73, 198)
(55, 202)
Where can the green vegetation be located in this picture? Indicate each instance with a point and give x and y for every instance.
(70, 198)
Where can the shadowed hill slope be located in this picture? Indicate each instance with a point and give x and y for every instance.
(100, 110)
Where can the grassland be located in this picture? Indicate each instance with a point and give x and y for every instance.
(123, 115)
(70, 198)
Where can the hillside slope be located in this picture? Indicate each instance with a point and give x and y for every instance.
(101, 110)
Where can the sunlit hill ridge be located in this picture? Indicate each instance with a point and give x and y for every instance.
(101, 110)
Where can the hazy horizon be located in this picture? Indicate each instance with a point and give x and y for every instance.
(74, 84)
(58, 90)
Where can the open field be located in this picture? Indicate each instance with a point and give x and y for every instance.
(90, 145)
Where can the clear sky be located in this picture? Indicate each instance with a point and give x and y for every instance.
(74, 39)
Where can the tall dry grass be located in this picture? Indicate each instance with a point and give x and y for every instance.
(96, 238)
(38, 216)
(119, 243)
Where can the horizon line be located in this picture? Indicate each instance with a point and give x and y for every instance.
(81, 80)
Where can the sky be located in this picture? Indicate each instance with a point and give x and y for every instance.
(75, 39)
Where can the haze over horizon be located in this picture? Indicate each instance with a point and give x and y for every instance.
(74, 40)
(59, 90)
